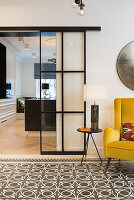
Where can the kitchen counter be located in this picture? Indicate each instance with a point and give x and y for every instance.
(33, 116)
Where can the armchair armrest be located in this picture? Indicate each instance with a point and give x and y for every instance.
(110, 135)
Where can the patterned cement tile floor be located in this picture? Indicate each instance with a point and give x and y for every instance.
(66, 179)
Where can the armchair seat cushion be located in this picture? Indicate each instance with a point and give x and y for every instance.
(122, 145)
(120, 150)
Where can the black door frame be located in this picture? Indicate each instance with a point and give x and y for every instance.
(6, 32)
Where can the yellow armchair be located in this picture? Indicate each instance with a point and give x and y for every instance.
(113, 146)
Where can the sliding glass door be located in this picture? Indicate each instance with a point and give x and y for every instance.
(63, 74)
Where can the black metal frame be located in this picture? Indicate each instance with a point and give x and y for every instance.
(49, 29)
(38, 34)
(40, 101)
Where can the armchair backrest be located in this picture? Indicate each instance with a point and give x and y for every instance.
(123, 112)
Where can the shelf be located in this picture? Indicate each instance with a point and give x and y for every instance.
(6, 107)
(7, 100)
(9, 104)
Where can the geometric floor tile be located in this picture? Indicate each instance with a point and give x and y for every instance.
(65, 179)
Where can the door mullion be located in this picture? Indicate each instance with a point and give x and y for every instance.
(40, 102)
(62, 57)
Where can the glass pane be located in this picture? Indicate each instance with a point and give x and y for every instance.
(50, 91)
(73, 51)
(73, 140)
(51, 51)
(73, 92)
(59, 132)
(48, 131)
(51, 132)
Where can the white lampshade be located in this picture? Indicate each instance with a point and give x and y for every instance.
(94, 92)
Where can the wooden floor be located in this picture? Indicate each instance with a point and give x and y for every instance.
(14, 140)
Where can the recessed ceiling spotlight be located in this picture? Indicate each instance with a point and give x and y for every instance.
(54, 54)
(33, 55)
(27, 47)
(21, 40)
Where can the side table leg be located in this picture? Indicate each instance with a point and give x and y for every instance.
(86, 149)
(87, 145)
(96, 148)
(82, 158)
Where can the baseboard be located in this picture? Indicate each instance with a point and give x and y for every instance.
(91, 151)
(93, 154)
(37, 134)
(20, 116)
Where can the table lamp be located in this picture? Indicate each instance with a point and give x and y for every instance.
(94, 92)
(45, 87)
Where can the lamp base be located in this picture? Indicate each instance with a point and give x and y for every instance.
(94, 126)
(94, 117)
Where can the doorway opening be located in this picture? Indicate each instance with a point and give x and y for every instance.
(44, 85)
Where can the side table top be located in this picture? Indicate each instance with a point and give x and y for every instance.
(88, 130)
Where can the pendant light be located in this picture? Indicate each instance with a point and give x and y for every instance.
(21, 40)
(81, 10)
(33, 55)
(27, 47)
(75, 3)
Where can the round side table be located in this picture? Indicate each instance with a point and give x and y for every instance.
(89, 132)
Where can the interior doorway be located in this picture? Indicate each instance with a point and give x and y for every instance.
(57, 108)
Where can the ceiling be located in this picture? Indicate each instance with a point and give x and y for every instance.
(48, 47)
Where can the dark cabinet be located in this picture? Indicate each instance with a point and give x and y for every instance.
(33, 117)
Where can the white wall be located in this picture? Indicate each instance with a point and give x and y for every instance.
(28, 81)
(18, 78)
(116, 19)
(10, 69)
(13, 68)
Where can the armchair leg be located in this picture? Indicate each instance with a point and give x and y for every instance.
(119, 161)
(108, 163)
